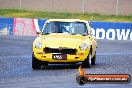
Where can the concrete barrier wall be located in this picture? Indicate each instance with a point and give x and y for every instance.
(112, 7)
(101, 30)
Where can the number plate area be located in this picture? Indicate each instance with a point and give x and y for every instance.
(59, 56)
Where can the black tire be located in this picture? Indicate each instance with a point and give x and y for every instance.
(87, 63)
(74, 63)
(44, 63)
(93, 60)
(36, 64)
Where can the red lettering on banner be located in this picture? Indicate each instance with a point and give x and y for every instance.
(24, 26)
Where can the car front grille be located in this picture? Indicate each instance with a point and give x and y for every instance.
(61, 51)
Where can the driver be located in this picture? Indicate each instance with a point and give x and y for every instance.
(55, 28)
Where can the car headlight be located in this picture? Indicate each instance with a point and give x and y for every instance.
(38, 45)
(83, 46)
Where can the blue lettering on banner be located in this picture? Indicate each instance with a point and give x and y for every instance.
(112, 30)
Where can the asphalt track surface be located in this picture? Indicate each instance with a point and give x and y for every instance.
(113, 57)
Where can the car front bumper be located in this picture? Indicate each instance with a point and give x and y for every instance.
(79, 57)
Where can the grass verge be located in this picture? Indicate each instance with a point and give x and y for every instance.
(48, 15)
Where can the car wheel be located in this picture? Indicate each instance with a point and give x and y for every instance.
(87, 62)
(44, 63)
(74, 63)
(93, 60)
(36, 64)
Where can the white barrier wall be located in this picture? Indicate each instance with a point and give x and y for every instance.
(101, 30)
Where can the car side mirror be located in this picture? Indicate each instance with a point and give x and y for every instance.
(38, 32)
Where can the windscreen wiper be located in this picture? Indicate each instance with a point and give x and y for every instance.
(46, 33)
(84, 35)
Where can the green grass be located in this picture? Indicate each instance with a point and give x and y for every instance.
(48, 15)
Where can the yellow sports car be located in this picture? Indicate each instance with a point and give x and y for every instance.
(64, 41)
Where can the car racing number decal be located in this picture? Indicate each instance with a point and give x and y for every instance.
(59, 56)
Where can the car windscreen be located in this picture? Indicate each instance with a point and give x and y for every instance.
(66, 27)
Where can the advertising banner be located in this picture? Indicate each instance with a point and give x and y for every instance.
(24, 26)
(6, 26)
(112, 30)
(101, 30)
(39, 23)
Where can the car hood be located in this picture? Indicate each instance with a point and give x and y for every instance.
(62, 40)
